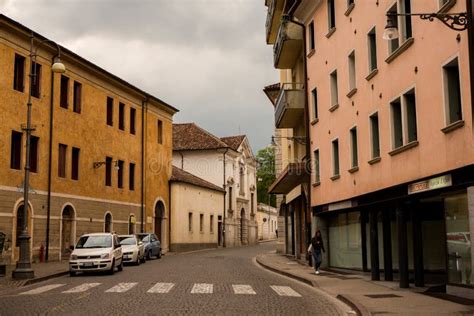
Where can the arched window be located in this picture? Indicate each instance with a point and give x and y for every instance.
(108, 223)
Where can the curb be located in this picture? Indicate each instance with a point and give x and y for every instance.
(44, 278)
(265, 241)
(357, 308)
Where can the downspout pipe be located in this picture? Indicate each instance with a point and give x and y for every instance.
(50, 163)
(470, 41)
(142, 186)
(225, 197)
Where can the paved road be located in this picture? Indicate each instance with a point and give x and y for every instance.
(214, 282)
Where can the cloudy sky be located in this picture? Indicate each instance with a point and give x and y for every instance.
(208, 58)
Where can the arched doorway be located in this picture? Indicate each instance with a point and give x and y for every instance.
(243, 230)
(108, 223)
(159, 216)
(131, 224)
(68, 231)
(19, 222)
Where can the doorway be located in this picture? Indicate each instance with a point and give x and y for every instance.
(159, 216)
(68, 228)
(243, 240)
(219, 230)
(108, 223)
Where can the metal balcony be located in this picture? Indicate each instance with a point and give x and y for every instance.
(288, 46)
(289, 107)
(275, 9)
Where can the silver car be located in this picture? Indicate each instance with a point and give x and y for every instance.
(133, 249)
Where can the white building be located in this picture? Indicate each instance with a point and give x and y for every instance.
(225, 162)
(267, 222)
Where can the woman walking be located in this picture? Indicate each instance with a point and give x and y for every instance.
(318, 246)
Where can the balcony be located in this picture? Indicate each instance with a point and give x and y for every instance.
(289, 107)
(293, 175)
(275, 8)
(288, 46)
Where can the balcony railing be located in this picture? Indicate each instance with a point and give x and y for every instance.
(275, 9)
(289, 108)
(288, 45)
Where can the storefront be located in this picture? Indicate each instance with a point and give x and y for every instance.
(416, 233)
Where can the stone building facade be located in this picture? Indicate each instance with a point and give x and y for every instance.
(100, 150)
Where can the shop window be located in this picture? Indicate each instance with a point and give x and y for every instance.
(335, 157)
(121, 124)
(19, 73)
(334, 89)
(62, 152)
(131, 177)
(452, 92)
(15, 152)
(372, 42)
(133, 114)
(352, 71)
(110, 111)
(354, 149)
(331, 15)
(108, 171)
(36, 85)
(375, 136)
(120, 165)
(314, 95)
(75, 163)
(77, 106)
(345, 246)
(64, 92)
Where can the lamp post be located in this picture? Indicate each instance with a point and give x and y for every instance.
(23, 268)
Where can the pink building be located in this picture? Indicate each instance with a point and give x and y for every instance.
(391, 140)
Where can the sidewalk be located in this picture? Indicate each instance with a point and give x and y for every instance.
(43, 271)
(366, 297)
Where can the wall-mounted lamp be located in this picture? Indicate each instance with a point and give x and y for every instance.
(455, 21)
(99, 164)
(298, 139)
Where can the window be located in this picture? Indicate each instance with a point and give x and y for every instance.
(77, 97)
(314, 95)
(131, 177)
(75, 163)
(452, 92)
(372, 42)
(15, 153)
(121, 124)
(374, 133)
(331, 15)
(352, 71)
(120, 174)
(402, 23)
(242, 180)
(62, 152)
(335, 157)
(160, 132)
(190, 221)
(34, 154)
(311, 44)
(252, 204)
(64, 93)
(317, 174)
(133, 114)
(211, 221)
(110, 111)
(334, 92)
(19, 73)
(404, 125)
(201, 222)
(354, 155)
(108, 171)
(36, 86)
(230, 198)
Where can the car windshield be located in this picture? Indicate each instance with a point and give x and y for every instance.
(94, 242)
(127, 240)
(144, 238)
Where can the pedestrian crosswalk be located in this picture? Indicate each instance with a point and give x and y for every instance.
(161, 288)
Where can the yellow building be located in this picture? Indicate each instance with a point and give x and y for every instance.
(100, 151)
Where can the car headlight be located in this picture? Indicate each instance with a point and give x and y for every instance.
(105, 256)
(73, 257)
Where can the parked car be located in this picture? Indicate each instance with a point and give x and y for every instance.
(152, 245)
(96, 252)
(133, 249)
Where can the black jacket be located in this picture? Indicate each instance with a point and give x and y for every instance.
(317, 243)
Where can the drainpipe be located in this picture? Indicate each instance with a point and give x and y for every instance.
(182, 160)
(144, 107)
(50, 163)
(225, 194)
(470, 40)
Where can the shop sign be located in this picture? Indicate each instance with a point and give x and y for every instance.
(430, 184)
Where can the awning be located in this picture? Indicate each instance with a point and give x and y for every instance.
(293, 175)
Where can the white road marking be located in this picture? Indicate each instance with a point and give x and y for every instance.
(121, 287)
(82, 288)
(285, 291)
(243, 289)
(202, 288)
(161, 288)
(42, 289)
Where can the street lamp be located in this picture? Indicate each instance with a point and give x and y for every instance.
(298, 139)
(23, 268)
(455, 21)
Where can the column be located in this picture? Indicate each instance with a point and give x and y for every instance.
(374, 246)
(363, 236)
(402, 247)
(387, 246)
(418, 248)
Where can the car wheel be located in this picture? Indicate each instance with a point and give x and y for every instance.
(158, 256)
(138, 260)
(143, 259)
(148, 255)
(72, 273)
(120, 267)
(112, 268)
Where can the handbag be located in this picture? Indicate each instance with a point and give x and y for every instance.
(310, 248)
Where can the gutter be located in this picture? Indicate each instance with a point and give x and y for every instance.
(142, 187)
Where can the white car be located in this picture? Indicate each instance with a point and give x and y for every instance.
(96, 252)
(133, 249)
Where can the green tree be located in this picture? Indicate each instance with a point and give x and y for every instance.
(265, 175)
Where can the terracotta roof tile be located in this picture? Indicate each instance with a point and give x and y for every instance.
(233, 141)
(180, 175)
(189, 136)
